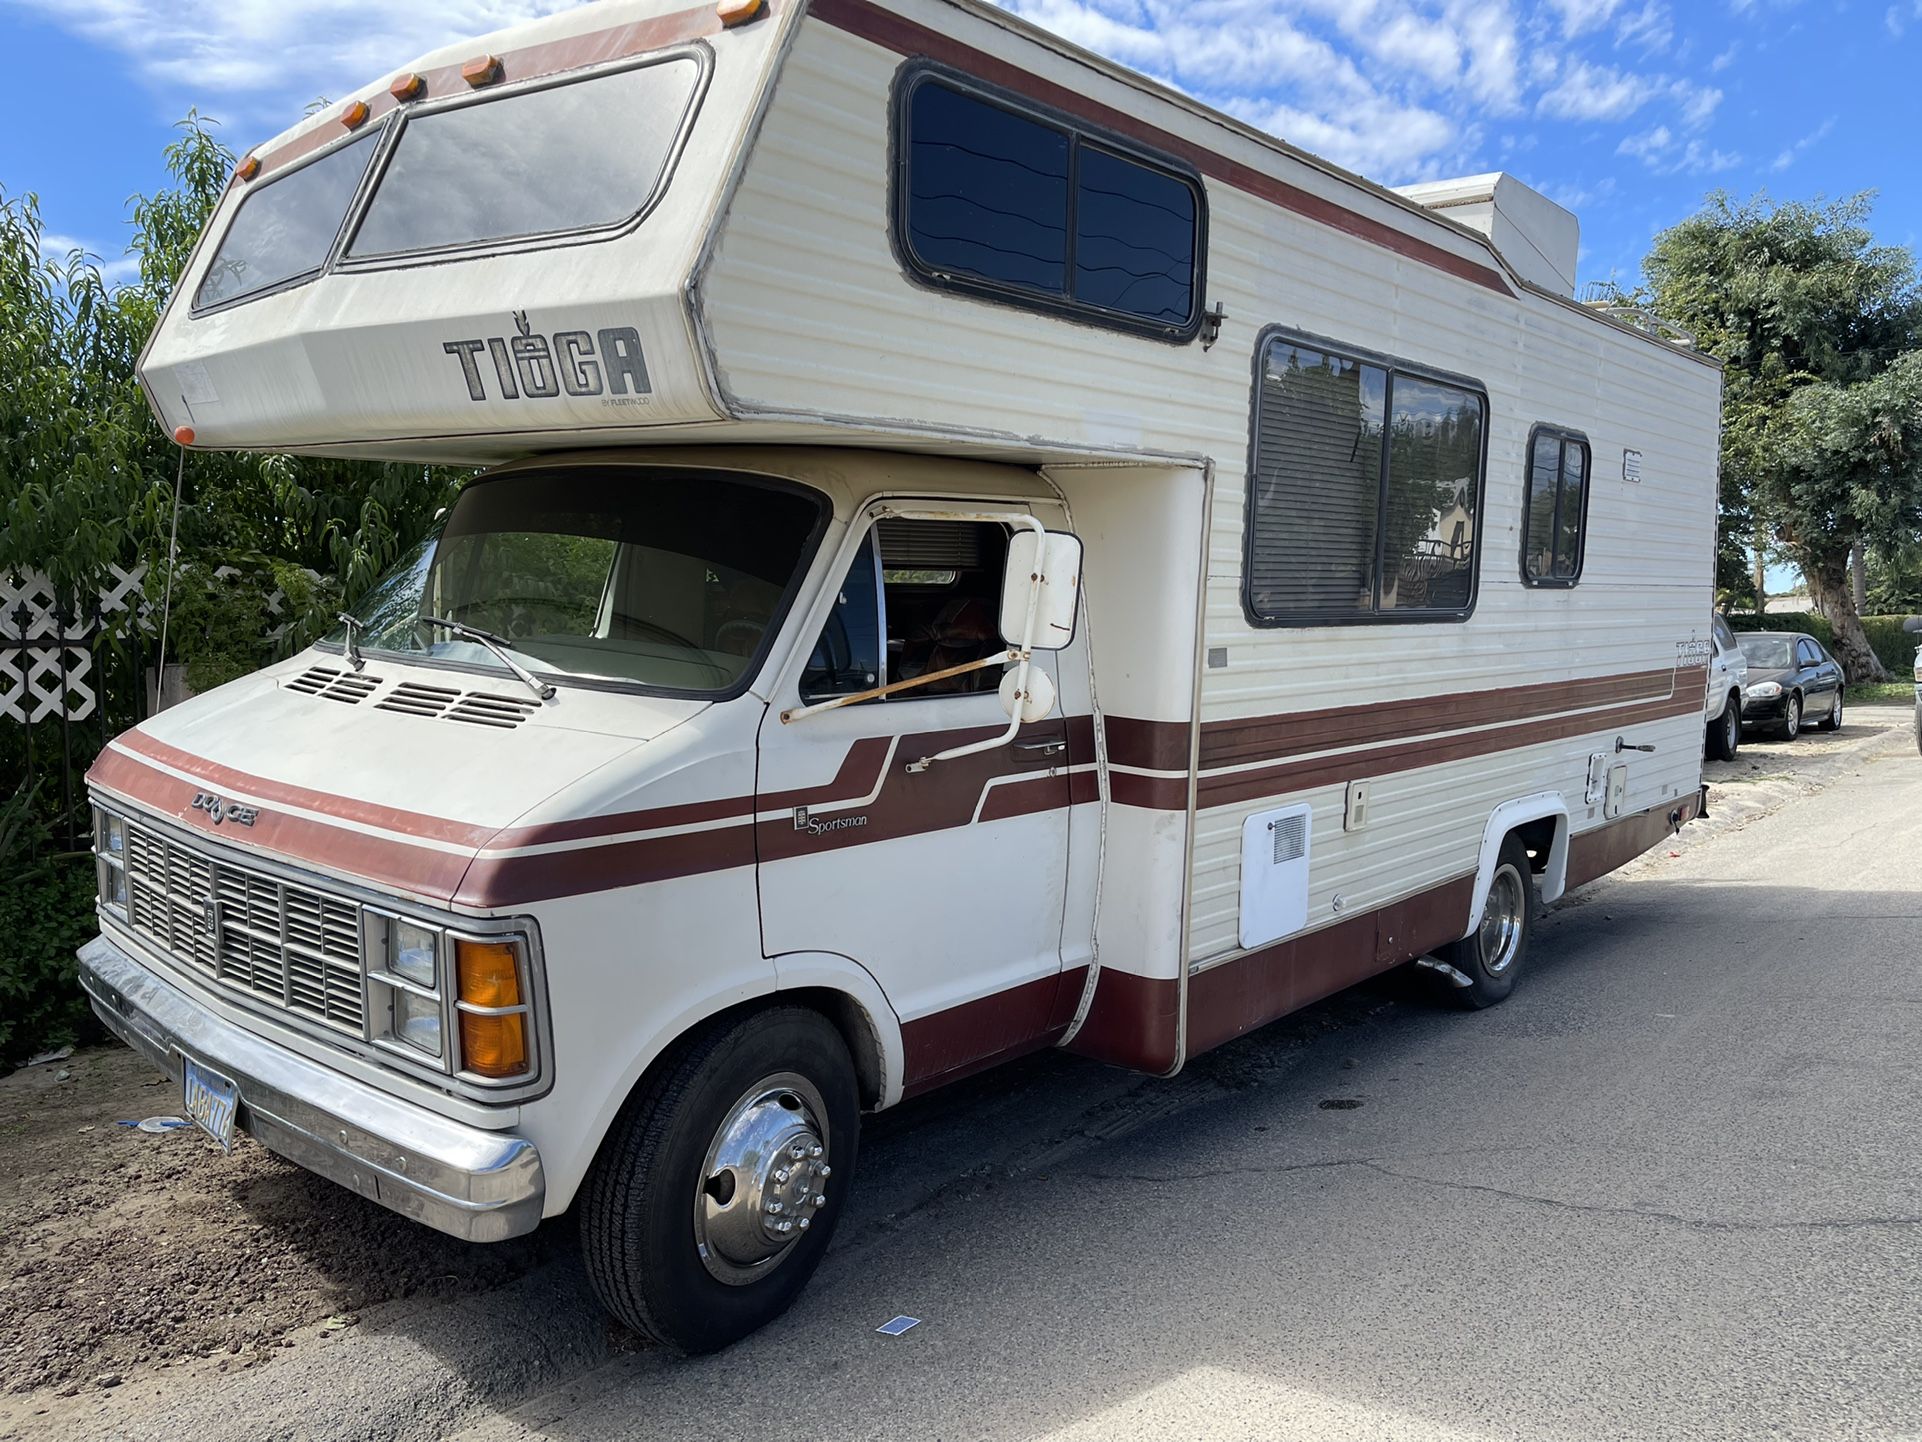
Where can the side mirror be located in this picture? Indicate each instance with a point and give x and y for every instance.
(1058, 568)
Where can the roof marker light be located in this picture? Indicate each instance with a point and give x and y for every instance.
(355, 115)
(481, 70)
(248, 168)
(183, 435)
(408, 86)
(739, 12)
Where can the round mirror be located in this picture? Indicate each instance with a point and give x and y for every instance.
(1038, 700)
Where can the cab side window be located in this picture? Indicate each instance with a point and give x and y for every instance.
(920, 597)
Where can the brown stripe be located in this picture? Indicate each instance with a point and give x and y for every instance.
(951, 1044)
(494, 882)
(1237, 996)
(1149, 745)
(905, 37)
(1133, 1021)
(1224, 790)
(367, 813)
(1266, 738)
(528, 63)
(396, 865)
(1604, 848)
(1150, 793)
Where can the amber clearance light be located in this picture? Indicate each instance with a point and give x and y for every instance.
(493, 1037)
(355, 115)
(481, 70)
(408, 86)
(738, 12)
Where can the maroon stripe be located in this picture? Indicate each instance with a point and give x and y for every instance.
(495, 882)
(396, 865)
(905, 37)
(528, 63)
(1601, 850)
(1265, 738)
(1268, 781)
(1150, 793)
(367, 813)
(949, 1045)
(1150, 745)
(1133, 1021)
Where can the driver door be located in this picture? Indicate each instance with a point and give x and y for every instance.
(948, 884)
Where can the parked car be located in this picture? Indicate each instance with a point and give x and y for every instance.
(1790, 678)
(1727, 680)
(1918, 701)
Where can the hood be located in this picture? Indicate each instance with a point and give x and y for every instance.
(1758, 674)
(395, 775)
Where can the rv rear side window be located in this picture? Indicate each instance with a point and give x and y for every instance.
(1555, 510)
(285, 226)
(582, 155)
(996, 199)
(1364, 493)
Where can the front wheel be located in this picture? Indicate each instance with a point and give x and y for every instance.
(1791, 726)
(1725, 731)
(715, 1193)
(1833, 721)
(1492, 954)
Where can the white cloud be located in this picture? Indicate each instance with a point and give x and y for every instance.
(1663, 152)
(1795, 152)
(1898, 18)
(59, 248)
(1698, 102)
(1727, 58)
(1581, 16)
(1649, 29)
(1595, 92)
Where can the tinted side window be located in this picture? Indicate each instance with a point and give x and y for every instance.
(1723, 636)
(1555, 512)
(995, 198)
(286, 226)
(849, 655)
(1364, 494)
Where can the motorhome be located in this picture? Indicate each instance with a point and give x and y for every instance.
(975, 552)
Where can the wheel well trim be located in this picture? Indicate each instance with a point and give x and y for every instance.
(847, 993)
(1503, 822)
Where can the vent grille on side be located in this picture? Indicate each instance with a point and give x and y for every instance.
(1291, 838)
(347, 687)
(477, 708)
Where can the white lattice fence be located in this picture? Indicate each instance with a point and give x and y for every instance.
(46, 658)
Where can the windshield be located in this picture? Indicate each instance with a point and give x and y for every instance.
(1768, 652)
(670, 580)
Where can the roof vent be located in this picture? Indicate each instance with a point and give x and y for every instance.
(477, 708)
(349, 687)
(1537, 237)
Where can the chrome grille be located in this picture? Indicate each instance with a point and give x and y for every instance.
(285, 944)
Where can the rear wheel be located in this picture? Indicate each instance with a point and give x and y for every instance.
(1791, 726)
(714, 1196)
(1833, 721)
(1491, 956)
(1725, 731)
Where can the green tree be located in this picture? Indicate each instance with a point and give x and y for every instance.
(1796, 298)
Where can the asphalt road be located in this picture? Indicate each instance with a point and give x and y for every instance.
(1670, 1190)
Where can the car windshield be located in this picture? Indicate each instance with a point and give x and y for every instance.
(1767, 652)
(668, 580)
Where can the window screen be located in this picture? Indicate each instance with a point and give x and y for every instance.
(1363, 499)
(1555, 508)
(577, 156)
(992, 198)
(286, 226)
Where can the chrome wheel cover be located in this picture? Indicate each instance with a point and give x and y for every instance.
(1499, 937)
(764, 1179)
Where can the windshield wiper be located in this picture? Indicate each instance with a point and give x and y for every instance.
(352, 644)
(498, 646)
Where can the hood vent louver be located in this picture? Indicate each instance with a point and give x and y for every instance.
(477, 708)
(347, 687)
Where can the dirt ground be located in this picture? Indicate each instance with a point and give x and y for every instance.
(123, 1250)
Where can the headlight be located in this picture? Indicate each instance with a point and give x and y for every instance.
(417, 1021)
(1764, 691)
(433, 978)
(110, 864)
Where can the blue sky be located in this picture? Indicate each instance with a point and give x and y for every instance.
(1627, 111)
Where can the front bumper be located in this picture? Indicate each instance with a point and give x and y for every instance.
(1769, 708)
(479, 1185)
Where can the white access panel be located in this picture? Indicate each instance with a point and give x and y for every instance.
(1274, 873)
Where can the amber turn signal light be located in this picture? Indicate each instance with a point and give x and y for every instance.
(481, 70)
(355, 115)
(739, 12)
(408, 86)
(494, 1046)
(489, 973)
(248, 168)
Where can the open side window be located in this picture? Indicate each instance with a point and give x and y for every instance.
(919, 597)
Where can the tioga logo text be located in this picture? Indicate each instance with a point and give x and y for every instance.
(580, 363)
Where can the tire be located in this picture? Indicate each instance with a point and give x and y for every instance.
(1492, 955)
(666, 1251)
(1791, 726)
(1725, 731)
(1832, 721)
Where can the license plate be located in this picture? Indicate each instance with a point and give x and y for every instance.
(210, 1101)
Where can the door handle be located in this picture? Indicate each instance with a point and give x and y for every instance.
(1040, 750)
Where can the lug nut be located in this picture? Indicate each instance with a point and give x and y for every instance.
(802, 1224)
(797, 1151)
(776, 1207)
(785, 1228)
(821, 1169)
(820, 1199)
(814, 1151)
(780, 1174)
